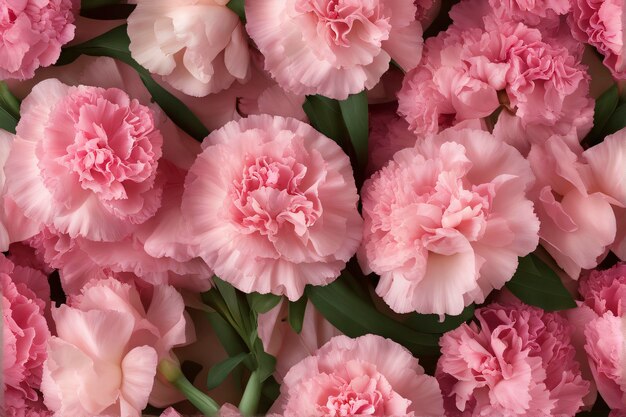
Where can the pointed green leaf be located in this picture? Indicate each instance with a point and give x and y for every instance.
(220, 371)
(355, 317)
(604, 109)
(262, 303)
(616, 122)
(296, 313)
(536, 284)
(237, 6)
(356, 118)
(7, 122)
(325, 115)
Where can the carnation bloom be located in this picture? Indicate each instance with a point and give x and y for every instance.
(24, 336)
(601, 24)
(288, 347)
(445, 221)
(467, 73)
(198, 46)
(110, 339)
(334, 47)
(31, 35)
(601, 318)
(14, 226)
(272, 203)
(574, 197)
(85, 160)
(519, 361)
(369, 375)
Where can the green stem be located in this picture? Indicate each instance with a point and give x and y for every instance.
(251, 396)
(201, 401)
(12, 104)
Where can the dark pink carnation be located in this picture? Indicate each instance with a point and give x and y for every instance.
(518, 361)
(25, 335)
(31, 35)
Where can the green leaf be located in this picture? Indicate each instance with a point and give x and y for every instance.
(355, 317)
(229, 294)
(296, 313)
(429, 323)
(219, 372)
(237, 6)
(228, 336)
(536, 284)
(616, 122)
(262, 303)
(266, 363)
(356, 117)
(604, 109)
(7, 122)
(114, 44)
(325, 115)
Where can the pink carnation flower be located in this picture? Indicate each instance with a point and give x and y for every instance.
(272, 203)
(606, 351)
(446, 221)
(85, 161)
(601, 24)
(288, 347)
(14, 226)
(31, 35)
(468, 73)
(109, 340)
(24, 336)
(531, 12)
(600, 321)
(576, 196)
(368, 375)
(198, 46)
(519, 362)
(334, 47)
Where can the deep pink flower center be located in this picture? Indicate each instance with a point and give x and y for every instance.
(111, 144)
(269, 196)
(350, 403)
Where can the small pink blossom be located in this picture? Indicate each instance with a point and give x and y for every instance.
(272, 204)
(31, 35)
(198, 46)
(539, 88)
(575, 195)
(334, 47)
(25, 335)
(85, 160)
(445, 221)
(601, 24)
(368, 375)
(288, 347)
(519, 362)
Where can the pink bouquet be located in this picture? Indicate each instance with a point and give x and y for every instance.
(313, 208)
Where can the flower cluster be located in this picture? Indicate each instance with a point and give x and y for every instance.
(312, 208)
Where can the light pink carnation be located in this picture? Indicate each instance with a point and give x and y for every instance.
(427, 11)
(446, 221)
(601, 24)
(468, 73)
(272, 203)
(606, 350)
(573, 197)
(14, 226)
(110, 339)
(368, 375)
(31, 35)
(288, 347)
(605, 291)
(531, 12)
(85, 161)
(24, 336)
(334, 47)
(519, 362)
(198, 46)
